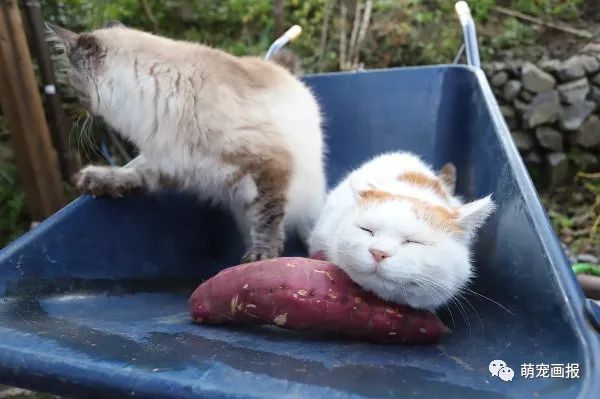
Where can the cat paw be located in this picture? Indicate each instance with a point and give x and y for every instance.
(106, 181)
(255, 255)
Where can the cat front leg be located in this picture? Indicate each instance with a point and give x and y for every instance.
(267, 236)
(263, 196)
(115, 181)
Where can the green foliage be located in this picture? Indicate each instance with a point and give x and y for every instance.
(560, 220)
(239, 26)
(514, 33)
(567, 9)
(482, 8)
(575, 212)
(13, 214)
(402, 32)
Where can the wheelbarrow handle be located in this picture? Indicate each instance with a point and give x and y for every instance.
(284, 39)
(469, 33)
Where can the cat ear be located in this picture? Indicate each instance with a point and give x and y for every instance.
(114, 24)
(67, 37)
(472, 215)
(88, 44)
(448, 177)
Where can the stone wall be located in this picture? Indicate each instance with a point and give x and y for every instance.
(553, 110)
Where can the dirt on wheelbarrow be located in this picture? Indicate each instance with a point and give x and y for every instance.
(18, 393)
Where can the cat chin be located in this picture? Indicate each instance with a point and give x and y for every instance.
(400, 291)
(412, 296)
(356, 267)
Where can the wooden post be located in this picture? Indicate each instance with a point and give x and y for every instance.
(22, 107)
(56, 118)
(278, 15)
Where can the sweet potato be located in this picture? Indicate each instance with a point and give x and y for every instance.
(308, 294)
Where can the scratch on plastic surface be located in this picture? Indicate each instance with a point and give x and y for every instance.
(18, 265)
(456, 359)
(48, 258)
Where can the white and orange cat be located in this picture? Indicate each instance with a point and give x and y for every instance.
(397, 229)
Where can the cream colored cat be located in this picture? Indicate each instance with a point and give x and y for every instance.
(397, 228)
(236, 130)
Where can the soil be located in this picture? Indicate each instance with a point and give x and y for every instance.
(549, 43)
(575, 213)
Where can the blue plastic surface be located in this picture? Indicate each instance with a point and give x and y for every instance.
(94, 299)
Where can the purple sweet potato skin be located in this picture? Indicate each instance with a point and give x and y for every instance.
(308, 294)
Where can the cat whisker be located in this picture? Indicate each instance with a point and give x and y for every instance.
(431, 288)
(90, 135)
(465, 289)
(470, 291)
(466, 301)
(75, 130)
(75, 113)
(457, 299)
(83, 135)
(463, 313)
(451, 316)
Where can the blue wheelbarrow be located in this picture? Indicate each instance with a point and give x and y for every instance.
(94, 299)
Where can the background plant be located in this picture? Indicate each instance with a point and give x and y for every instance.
(401, 32)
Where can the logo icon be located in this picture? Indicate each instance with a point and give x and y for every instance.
(506, 374)
(498, 368)
(495, 366)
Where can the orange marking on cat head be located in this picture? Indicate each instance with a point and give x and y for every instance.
(438, 217)
(375, 196)
(424, 181)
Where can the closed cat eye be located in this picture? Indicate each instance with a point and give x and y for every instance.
(367, 230)
(413, 242)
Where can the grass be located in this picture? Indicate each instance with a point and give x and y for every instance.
(575, 213)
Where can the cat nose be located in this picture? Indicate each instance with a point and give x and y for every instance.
(378, 255)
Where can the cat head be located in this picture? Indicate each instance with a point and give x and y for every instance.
(87, 55)
(406, 249)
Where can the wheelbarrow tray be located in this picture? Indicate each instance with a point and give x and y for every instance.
(94, 300)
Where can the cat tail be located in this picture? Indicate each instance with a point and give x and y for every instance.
(289, 60)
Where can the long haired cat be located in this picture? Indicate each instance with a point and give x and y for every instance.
(236, 130)
(397, 229)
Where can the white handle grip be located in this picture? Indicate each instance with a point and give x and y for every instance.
(284, 39)
(469, 33)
